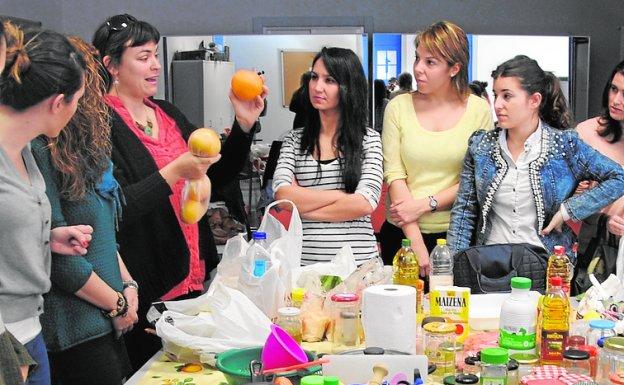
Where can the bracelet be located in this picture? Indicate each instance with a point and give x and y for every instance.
(131, 283)
(122, 307)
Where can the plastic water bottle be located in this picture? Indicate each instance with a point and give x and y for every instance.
(258, 254)
(441, 260)
(518, 317)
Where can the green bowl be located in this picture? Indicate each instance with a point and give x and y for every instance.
(234, 364)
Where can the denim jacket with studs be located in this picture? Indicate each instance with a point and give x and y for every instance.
(564, 161)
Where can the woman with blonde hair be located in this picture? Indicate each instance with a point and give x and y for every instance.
(425, 136)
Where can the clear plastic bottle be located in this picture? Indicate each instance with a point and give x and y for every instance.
(405, 265)
(555, 323)
(559, 266)
(518, 317)
(258, 255)
(441, 260)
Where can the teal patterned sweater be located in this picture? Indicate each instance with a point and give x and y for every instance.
(68, 320)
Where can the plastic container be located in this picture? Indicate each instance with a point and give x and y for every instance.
(576, 362)
(559, 266)
(234, 364)
(599, 329)
(555, 318)
(345, 321)
(518, 317)
(281, 350)
(405, 266)
(258, 255)
(611, 360)
(438, 337)
(441, 260)
(494, 366)
(289, 319)
(526, 362)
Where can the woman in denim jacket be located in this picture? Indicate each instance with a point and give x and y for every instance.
(517, 182)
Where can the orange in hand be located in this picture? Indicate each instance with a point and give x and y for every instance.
(192, 211)
(204, 142)
(246, 84)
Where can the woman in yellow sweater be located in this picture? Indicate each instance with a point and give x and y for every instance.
(425, 136)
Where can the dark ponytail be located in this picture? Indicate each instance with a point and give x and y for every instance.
(553, 109)
(40, 63)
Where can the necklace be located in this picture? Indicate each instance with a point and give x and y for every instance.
(147, 128)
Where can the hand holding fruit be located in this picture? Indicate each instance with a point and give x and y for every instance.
(247, 96)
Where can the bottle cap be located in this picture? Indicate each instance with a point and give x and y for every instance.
(471, 360)
(496, 356)
(449, 380)
(298, 294)
(406, 242)
(466, 379)
(439, 328)
(521, 283)
(288, 311)
(615, 343)
(525, 358)
(259, 235)
(601, 324)
(441, 242)
(559, 250)
(575, 355)
(345, 297)
(512, 364)
(555, 281)
(331, 380)
(312, 380)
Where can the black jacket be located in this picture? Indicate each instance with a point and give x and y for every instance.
(150, 239)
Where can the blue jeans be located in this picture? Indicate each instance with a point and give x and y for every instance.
(37, 350)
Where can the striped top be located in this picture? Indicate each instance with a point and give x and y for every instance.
(322, 240)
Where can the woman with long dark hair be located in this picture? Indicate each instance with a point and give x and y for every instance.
(604, 133)
(518, 181)
(332, 167)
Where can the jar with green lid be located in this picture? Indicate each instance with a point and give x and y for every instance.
(494, 366)
(289, 319)
(440, 348)
(513, 376)
(466, 379)
(312, 380)
(611, 360)
(526, 362)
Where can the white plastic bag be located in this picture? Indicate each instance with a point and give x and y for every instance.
(342, 265)
(619, 264)
(210, 324)
(284, 246)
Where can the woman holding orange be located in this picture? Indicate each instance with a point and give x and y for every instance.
(168, 258)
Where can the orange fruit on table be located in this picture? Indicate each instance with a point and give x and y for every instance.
(246, 84)
(204, 142)
(192, 211)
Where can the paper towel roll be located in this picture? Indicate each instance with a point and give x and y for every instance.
(389, 317)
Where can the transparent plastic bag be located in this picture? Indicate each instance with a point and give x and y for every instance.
(195, 199)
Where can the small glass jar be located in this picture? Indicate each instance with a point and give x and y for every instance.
(576, 362)
(345, 321)
(575, 342)
(526, 363)
(289, 319)
(513, 375)
(466, 379)
(611, 360)
(600, 329)
(593, 359)
(494, 366)
(439, 342)
(471, 365)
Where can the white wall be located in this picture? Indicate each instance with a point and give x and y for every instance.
(264, 53)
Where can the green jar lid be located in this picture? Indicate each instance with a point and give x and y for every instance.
(449, 380)
(331, 380)
(615, 343)
(525, 358)
(521, 283)
(312, 380)
(496, 356)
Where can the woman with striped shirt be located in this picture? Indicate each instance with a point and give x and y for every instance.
(332, 167)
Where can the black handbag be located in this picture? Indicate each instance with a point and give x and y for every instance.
(597, 254)
(490, 268)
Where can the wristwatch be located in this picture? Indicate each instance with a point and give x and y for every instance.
(433, 203)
